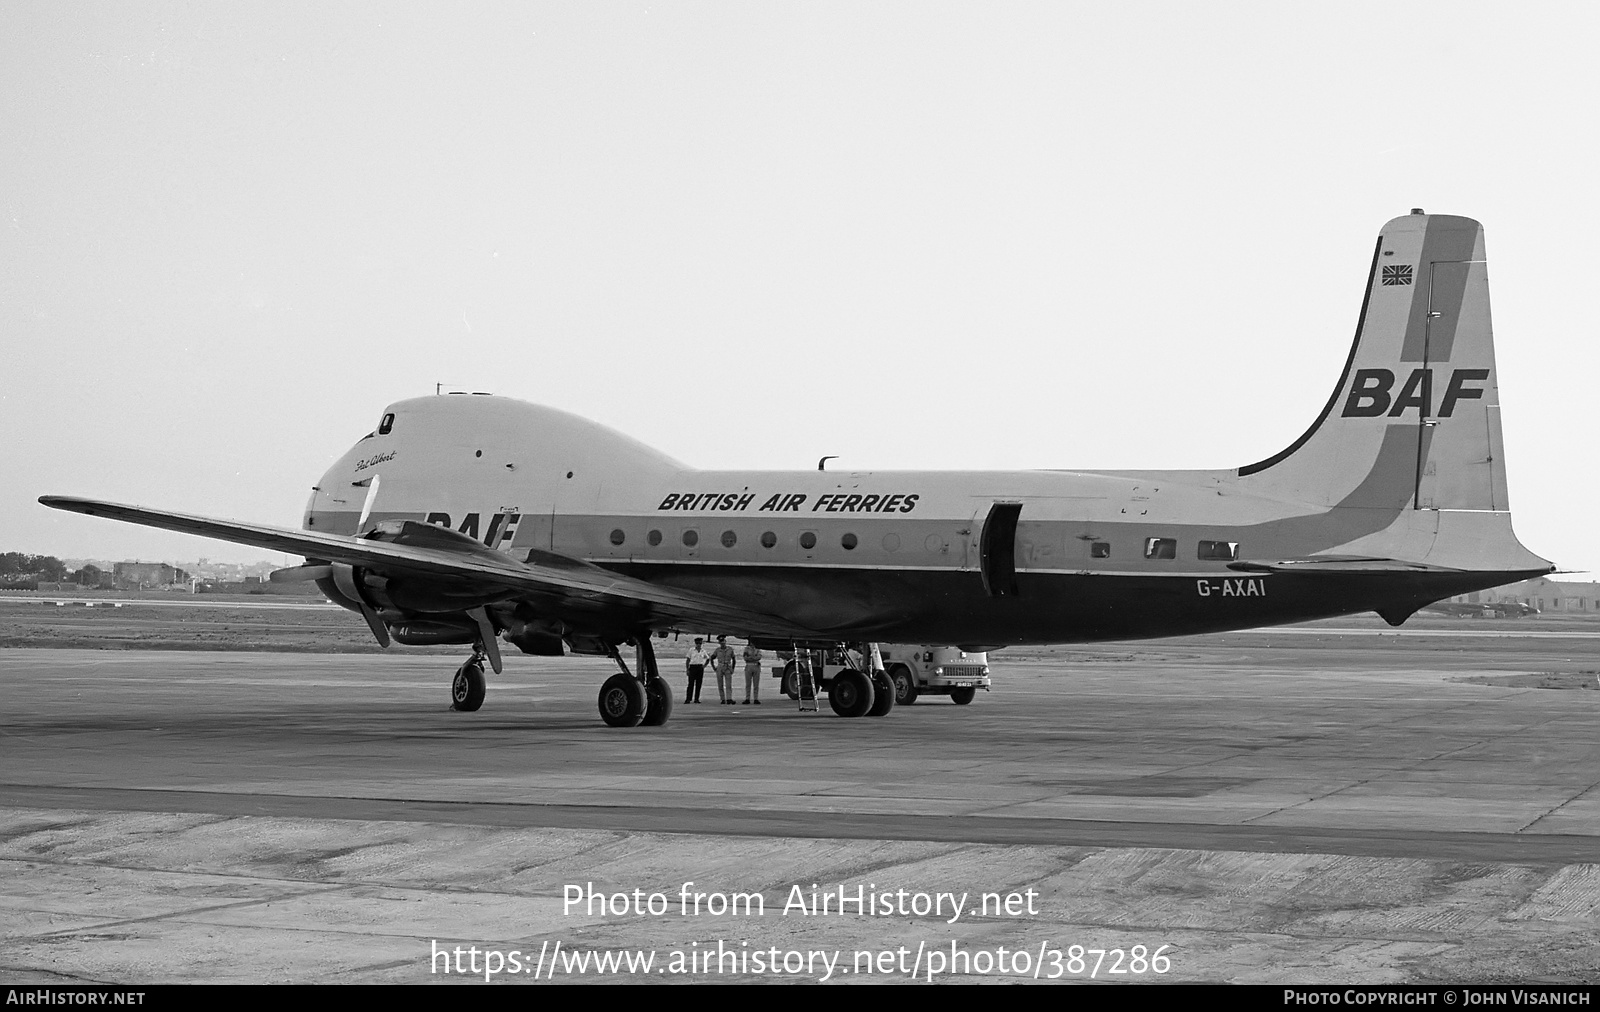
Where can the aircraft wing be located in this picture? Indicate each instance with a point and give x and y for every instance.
(564, 586)
(1338, 564)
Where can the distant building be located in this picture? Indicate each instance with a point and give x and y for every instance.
(141, 575)
(1542, 593)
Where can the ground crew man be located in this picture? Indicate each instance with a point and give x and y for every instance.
(723, 660)
(695, 665)
(752, 674)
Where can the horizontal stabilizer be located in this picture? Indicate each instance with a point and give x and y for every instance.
(1339, 564)
(300, 574)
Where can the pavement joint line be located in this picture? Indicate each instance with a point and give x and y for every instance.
(393, 964)
(316, 929)
(1420, 712)
(40, 976)
(1559, 807)
(1002, 806)
(1275, 811)
(1318, 797)
(142, 869)
(179, 914)
(311, 884)
(146, 869)
(1203, 763)
(1502, 735)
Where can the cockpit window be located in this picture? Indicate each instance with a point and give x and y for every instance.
(387, 424)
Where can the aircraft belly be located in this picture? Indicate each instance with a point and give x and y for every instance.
(952, 607)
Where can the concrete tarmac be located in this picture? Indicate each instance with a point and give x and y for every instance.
(1318, 807)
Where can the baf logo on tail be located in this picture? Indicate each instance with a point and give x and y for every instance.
(1370, 392)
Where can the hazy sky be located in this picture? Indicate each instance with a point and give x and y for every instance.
(980, 235)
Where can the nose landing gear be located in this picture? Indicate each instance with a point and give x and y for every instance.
(468, 687)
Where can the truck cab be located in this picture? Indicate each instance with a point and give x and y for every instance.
(920, 669)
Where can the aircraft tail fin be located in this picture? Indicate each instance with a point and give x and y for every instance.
(1415, 419)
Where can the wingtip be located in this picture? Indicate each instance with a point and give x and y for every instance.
(70, 503)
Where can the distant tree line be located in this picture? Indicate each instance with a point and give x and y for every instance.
(20, 571)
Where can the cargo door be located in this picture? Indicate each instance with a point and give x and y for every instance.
(997, 549)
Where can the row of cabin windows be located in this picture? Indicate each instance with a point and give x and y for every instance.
(1167, 548)
(691, 539)
(1205, 551)
(1154, 548)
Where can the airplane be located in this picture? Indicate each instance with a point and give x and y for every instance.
(469, 519)
(1488, 609)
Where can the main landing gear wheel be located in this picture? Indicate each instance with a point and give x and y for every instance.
(882, 694)
(468, 687)
(850, 693)
(905, 687)
(791, 681)
(658, 697)
(622, 701)
(961, 697)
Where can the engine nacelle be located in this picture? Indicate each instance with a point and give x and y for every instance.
(412, 595)
(351, 586)
(539, 645)
(532, 633)
(343, 588)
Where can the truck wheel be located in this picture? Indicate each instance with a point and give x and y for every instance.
(882, 694)
(790, 683)
(850, 693)
(905, 687)
(961, 697)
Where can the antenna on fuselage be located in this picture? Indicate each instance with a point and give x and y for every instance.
(822, 464)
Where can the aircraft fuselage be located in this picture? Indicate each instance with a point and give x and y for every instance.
(883, 555)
